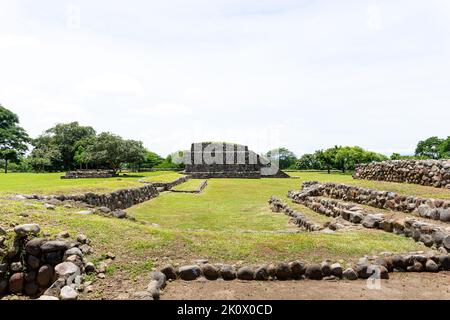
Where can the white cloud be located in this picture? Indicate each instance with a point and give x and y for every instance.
(369, 73)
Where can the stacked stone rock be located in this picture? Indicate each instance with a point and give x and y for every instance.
(428, 233)
(166, 186)
(297, 217)
(118, 200)
(201, 187)
(436, 209)
(434, 173)
(367, 267)
(37, 266)
(85, 174)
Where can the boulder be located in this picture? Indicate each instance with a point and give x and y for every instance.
(326, 269)
(446, 243)
(336, 270)
(314, 272)
(431, 266)
(416, 267)
(189, 273)
(371, 221)
(53, 258)
(170, 272)
(33, 247)
(445, 215)
(283, 271)
(83, 239)
(349, 274)
(67, 293)
(159, 278)
(45, 276)
(119, 214)
(67, 269)
(227, 273)
(72, 252)
(444, 261)
(55, 245)
(3, 286)
(210, 272)
(104, 209)
(245, 273)
(16, 267)
(298, 269)
(89, 268)
(262, 273)
(25, 230)
(31, 289)
(16, 283)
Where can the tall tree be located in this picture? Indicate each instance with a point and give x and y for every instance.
(429, 148)
(67, 137)
(13, 138)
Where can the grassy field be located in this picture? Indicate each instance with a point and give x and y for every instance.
(229, 221)
(51, 183)
(190, 185)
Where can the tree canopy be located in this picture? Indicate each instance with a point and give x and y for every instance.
(13, 138)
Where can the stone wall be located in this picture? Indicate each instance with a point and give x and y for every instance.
(84, 174)
(428, 233)
(37, 266)
(436, 209)
(117, 200)
(301, 220)
(166, 186)
(434, 173)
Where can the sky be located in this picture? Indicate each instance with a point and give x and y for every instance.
(302, 74)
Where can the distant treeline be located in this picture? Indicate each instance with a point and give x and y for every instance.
(72, 146)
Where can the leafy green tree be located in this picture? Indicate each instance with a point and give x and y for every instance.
(152, 159)
(46, 157)
(429, 148)
(327, 158)
(68, 137)
(13, 138)
(444, 149)
(285, 157)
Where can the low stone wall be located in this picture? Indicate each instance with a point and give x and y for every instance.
(117, 200)
(297, 217)
(375, 268)
(43, 267)
(434, 173)
(83, 174)
(166, 186)
(429, 234)
(201, 187)
(429, 208)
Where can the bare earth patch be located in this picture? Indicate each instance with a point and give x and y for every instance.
(401, 286)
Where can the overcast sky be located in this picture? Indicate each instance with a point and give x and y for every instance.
(301, 74)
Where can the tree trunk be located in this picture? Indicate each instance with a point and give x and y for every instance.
(6, 166)
(329, 170)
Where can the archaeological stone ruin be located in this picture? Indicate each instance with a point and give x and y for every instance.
(226, 160)
(434, 173)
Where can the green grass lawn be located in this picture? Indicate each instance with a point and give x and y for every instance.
(51, 183)
(190, 185)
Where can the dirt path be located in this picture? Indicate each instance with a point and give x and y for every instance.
(403, 286)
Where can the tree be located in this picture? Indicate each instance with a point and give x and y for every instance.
(44, 158)
(152, 159)
(285, 157)
(444, 149)
(13, 138)
(327, 158)
(68, 137)
(134, 153)
(429, 148)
